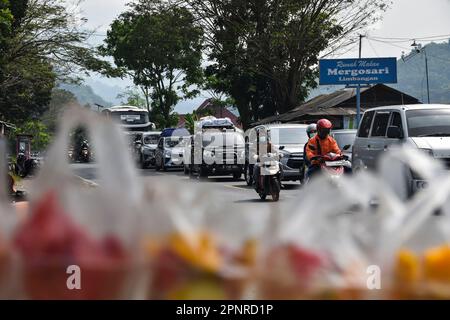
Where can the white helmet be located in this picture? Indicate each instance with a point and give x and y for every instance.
(311, 130)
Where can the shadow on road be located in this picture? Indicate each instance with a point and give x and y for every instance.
(290, 186)
(255, 200)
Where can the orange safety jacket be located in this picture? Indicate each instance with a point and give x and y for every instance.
(318, 147)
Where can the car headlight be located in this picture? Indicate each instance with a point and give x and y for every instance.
(167, 154)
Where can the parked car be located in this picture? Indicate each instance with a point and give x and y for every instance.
(425, 127)
(148, 148)
(288, 140)
(170, 152)
(345, 139)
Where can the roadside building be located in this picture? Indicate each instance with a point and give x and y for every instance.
(340, 106)
(5, 128)
(208, 107)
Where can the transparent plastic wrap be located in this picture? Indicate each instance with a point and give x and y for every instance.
(70, 226)
(8, 219)
(415, 252)
(198, 247)
(324, 246)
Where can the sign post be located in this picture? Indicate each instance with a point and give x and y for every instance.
(358, 72)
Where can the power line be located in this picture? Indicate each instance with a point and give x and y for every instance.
(444, 36)
(390, 43)
(373, 48)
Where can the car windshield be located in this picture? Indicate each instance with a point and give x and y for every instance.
(151, 139)
(428, 122)
(173, 142)
(222, 139)
(343, 139)
(286, 136)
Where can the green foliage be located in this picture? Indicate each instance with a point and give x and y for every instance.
(6, 20)
(132, 97)
(27, 92)
(45, 41)
(160, 47)
(265, 52)
(41, 135)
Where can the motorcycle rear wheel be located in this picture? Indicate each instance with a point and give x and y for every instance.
(275, 189)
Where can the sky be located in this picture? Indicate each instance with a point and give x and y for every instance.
(406, 19)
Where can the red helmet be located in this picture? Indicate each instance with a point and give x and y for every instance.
(323, 128)
(324, 124)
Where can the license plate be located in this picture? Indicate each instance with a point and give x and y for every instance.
(130, 117)
(335, 163)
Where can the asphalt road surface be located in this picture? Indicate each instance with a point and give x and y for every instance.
(232, 191)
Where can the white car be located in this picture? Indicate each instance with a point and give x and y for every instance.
(423, 126)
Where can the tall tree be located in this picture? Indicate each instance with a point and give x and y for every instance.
(265, 52)
(47, 41)
(160, 47)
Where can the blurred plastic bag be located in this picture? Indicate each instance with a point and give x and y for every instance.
(198, 247)
(323, 247)
(417, 254)
(95, 230)
(8, 285)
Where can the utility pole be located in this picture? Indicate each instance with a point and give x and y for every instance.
(426, 70)
(358, 89)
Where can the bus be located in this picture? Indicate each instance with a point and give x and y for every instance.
(130, 118)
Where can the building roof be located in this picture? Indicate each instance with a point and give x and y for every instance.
(332, 104)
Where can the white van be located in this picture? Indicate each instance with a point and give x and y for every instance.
(422, 126)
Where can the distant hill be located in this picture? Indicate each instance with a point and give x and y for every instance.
(105, 90)
(412, 76)
(85, 94)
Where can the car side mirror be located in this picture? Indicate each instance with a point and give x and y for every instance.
(281, 148)
(394, 133)
(346, 147)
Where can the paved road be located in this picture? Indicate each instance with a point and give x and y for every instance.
(235, 192)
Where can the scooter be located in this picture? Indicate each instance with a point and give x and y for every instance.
(334, 165)
(267, 179)
(25, 166)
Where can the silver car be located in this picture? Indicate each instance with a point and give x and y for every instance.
(424, 127)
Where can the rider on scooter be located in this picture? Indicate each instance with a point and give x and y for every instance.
(321, 144)
(311, 131)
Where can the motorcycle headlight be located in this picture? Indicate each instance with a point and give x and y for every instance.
(208, 153)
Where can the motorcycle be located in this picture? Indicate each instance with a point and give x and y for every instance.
(334, 165)
(267, 177)
(24, 166)
(84, 154)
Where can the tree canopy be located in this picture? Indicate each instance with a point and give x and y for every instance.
(160, 47)
(44, 42)
(265, 52)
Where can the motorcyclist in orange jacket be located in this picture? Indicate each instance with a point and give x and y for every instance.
(321, 144)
